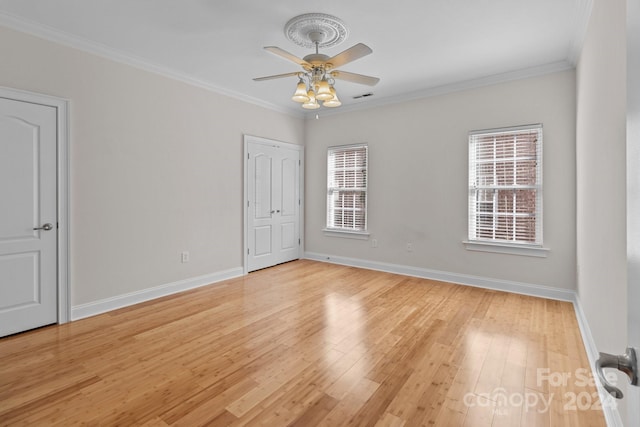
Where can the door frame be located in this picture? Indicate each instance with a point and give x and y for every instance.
(251, 139)
(62, 171)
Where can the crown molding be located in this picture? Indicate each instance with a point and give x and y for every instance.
(525, 73)
(54, 35)
(580, 24)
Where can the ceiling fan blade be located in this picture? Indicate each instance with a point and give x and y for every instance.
(277, 76)
(355, 78)
(354, 52)
(286, 55)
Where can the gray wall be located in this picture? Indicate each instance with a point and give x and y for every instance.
(418, 174)
(601, 175)
(156, 167)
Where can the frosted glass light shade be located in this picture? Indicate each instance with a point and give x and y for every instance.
(311, 104)
(324, 91)
(300, 95)
(333, 102)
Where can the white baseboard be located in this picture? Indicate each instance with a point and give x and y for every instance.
(611, 413)
(102, 306)
(444, 276)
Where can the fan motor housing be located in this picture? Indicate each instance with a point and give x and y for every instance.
(316, 58)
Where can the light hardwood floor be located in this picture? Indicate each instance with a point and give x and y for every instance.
(305, 344)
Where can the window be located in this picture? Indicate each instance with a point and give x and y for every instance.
(347, 188)
(505, 186)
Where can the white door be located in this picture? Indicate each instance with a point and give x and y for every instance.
(633, 199)
(273, 205)
(28, 222)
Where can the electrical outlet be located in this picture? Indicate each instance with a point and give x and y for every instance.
(374, 243)
(184, 256)
(409, 247)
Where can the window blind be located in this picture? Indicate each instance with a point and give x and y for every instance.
(505, 185)
(347, 187)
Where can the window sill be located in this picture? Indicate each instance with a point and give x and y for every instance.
(505, 248)
(332, 232)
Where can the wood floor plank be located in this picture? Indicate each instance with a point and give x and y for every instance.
(359, 393)
(207, 404)
(390, 420)
(303, 344)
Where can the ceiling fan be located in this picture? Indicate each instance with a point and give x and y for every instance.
(318, 75)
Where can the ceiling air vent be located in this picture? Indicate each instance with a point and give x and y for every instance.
(364, 95)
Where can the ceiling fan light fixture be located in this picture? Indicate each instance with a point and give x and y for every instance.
(315, 82)
(333, 102)
(324, 91)
(300, 95)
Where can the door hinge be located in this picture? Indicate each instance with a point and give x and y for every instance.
(247, 251)
(248, 156)
(298, 242)
(247, 203)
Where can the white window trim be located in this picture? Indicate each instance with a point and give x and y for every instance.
(506, 248)
(345, 232)
(338, 232)
(534, 250)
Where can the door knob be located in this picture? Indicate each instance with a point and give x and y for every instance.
(45, 227)
(627, 363)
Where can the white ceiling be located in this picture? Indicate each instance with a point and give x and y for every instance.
(419, 46)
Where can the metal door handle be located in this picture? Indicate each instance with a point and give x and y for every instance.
(45, 227)
(627, 363)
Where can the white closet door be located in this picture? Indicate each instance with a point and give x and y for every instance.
(273, 205)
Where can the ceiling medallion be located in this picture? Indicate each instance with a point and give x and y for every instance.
(332, 29)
